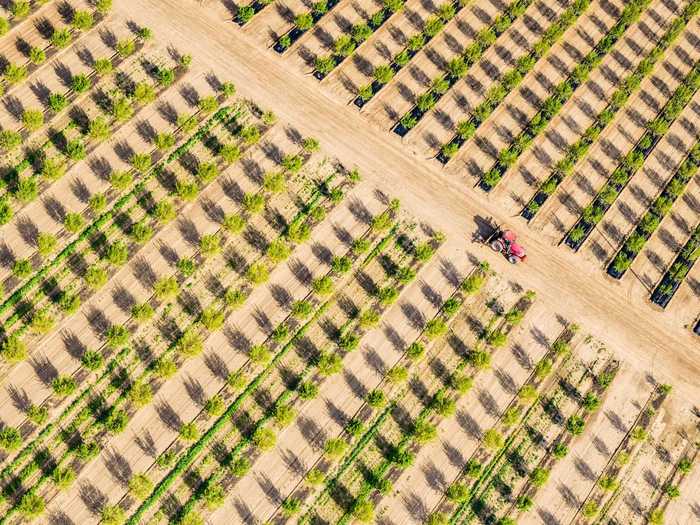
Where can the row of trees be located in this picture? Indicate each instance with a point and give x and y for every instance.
(345, 45)
(656, 129)
(303, 22)
(658, 209)
(458, 67)
(384, 73)
(510, 80)
(619, 98)
(111, 418)
(263, 359)
(561, 94)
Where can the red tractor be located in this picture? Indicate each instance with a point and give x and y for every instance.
(503, 241)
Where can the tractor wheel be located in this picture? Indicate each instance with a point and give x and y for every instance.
(512, 259)
(497, 246)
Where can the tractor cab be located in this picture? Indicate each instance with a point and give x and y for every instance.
(504, 241)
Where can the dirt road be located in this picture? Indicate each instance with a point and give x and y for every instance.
(654, 341)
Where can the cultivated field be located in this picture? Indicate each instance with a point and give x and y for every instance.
(240, 281)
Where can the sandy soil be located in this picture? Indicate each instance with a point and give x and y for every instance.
(652, 344)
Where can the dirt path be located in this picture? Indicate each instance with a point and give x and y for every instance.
(652, 340)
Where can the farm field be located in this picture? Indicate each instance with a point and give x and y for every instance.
(241, 278)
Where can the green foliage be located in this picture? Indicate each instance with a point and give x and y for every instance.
(214, 495)
(42, 322)
(22, 268)
(575, 425)
(278, 251)
(141, 232)
(117, 335)
(14, 74)
(31, 505)
(98, 203)
(14, 349)
(257, 273)
(9, 139)
(322, 285)
(301, 309)
(424, 431)
(10, 438)
(190, 343)
(38, 414)
(92, 360)
(61, 38)
(240, 467)
(458, 492)
(376, 398)
(254, 202)
(63, 385)
(82, 20)
(437, 518)
(63, 477)
(20, 8)
(95, 277)
(314, 477)
(164, 367)
(73, 222)
(121, 180)
(236, 381)
(140, 486)
(189, 432)
(112, 515)
(264, 439)
(166, 288)
(589, 509)
(560, 450)
(415, 351)
(335, 447)
(103, 66)
(284, 415)
(493, 439)
(33, 119)
(126, 48)
(435, 328)
(329, 364)
(234, 298)
(539, 476)
(118, 253)
(140, 394)
(259, 354)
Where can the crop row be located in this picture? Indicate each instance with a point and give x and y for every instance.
(608, 483)
(678, 270)
(561, 94)
(392, 390)
(617, 100)
(332, 360)
(313, 371)
(81, 21)
(75, 140)
(656, 129)
(145, 161)
(42, 435)
(483, 459)
(80, 448)
(303, 22)
(383, 73)
(436, 405)
(651, 220)
(5, 472)
(458, 67)
(189, 338)
(510, 80)
(345, 45)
